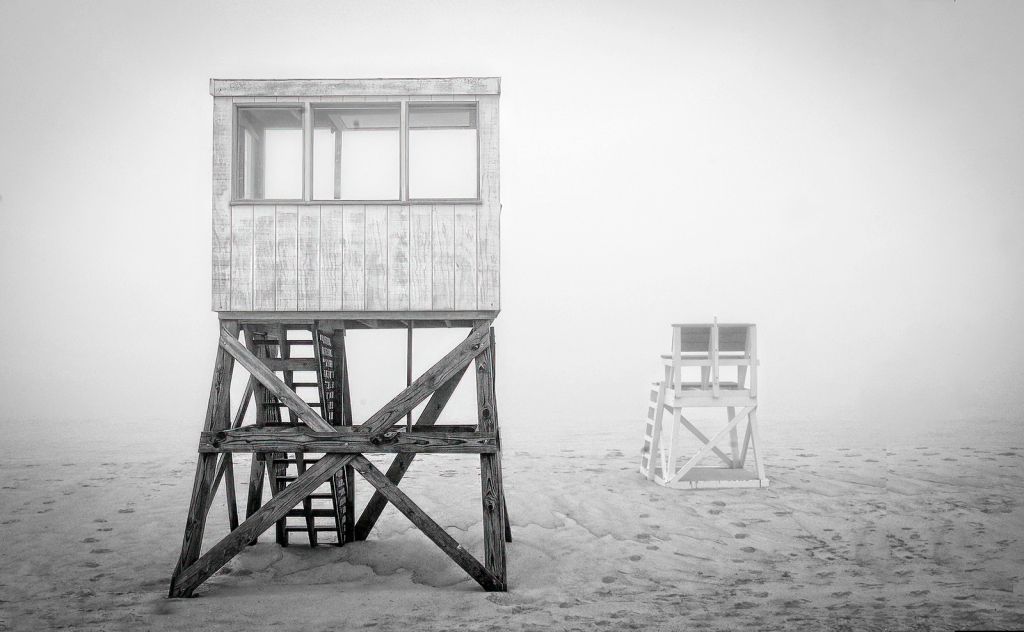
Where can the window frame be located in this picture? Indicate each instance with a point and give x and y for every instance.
(307, 107)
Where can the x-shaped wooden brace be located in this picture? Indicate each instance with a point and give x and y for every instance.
(190, 573)
(710, 445)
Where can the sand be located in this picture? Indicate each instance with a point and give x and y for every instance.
(913, 537)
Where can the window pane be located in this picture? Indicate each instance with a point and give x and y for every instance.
(463, 116)
(442, 150)
(356, 153)
(442, 163)
(269, 154)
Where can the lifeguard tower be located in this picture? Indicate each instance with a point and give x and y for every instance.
(695, 377)
(340, 205)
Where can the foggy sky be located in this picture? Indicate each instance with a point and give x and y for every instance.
(848, 176)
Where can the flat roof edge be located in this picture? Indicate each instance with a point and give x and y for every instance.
(354, 87)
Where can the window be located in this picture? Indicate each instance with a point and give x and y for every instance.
(357, 152)
(442, 151)
(269, 154)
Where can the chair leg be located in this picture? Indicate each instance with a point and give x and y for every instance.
(734, 439)
(755, 443)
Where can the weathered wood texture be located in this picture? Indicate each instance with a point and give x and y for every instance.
(333, 256)
(217, 418)
(355, 87)
(421, 257)
(345, 440)
(492, 492)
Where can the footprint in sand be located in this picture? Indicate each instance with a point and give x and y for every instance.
(740, 536)
(90, 564)
(91, 540)
(714, 512)
(447, 473)
(635, 558)
(607, 580)
(11, 521)
(101, 551)
(845, 593)
(99, 520)
(126, 511)
(105, 529)
(748, 549)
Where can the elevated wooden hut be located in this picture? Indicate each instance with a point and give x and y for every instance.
(337, 205)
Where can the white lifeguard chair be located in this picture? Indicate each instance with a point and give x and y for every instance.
(709, 348)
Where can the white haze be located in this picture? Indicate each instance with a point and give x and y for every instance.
(846, 175)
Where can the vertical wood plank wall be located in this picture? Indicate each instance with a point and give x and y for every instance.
(356, 257)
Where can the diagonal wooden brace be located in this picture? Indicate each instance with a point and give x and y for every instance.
(401, 464)
(426, 524)
(183, 583)
(274, 384)
(186, 580)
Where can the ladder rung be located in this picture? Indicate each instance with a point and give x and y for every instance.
(279, 404)
(317, 513)
(304, 529)
(301, 384)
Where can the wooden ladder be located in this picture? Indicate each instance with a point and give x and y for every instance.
(323, 510)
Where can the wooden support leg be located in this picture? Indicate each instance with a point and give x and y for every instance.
(277, 466)
(401, 463)
(229, 489)
(492, 493)
(217, 418)
(349, 477)
(257, 472)
(427, 525)
(199, 507)
(307, 503)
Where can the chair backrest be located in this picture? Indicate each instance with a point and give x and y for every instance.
(735, 341)
(697, 338)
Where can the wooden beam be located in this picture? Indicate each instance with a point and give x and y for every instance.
(381, 319)
(217, 412)
(346, 440)
(189, 578)
(266, 377)
(424, 523)
(492, 493)
(401, 463)
(355, 87)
